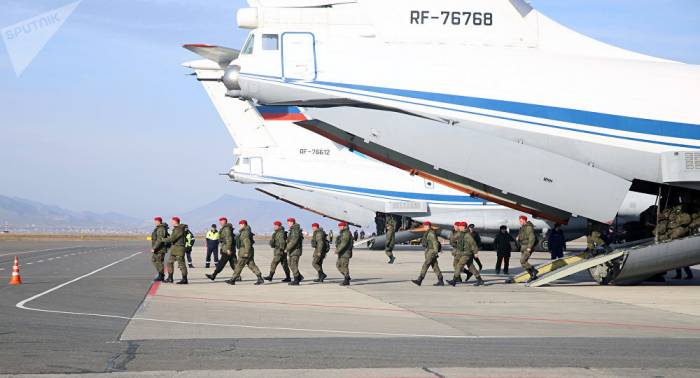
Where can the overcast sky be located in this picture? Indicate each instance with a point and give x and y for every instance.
(105, 118)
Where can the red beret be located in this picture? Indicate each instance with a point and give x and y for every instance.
(291, 220)
(176, 219)
(223, 219)
(314, 225)
(458, 224)
(243, 221)
(522, 217)
(464, 224)
(426, 223)
(159, 219)
(277, 223)
(342, 224)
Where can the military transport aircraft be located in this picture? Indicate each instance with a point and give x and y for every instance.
(457, 91)
(295, 165)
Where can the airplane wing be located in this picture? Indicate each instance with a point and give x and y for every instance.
(223, 56)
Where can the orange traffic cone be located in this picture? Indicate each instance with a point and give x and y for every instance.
(16, 279)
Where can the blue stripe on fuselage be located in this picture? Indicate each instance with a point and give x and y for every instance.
(621, 123)
(581, 117)
(385, 193)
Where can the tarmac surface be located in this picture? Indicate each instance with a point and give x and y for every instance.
(89, 307)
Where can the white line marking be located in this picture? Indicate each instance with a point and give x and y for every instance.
(57, 257)
(38, 250)
(28, 263)
(40, 261)
(23, 305)
(49, 259)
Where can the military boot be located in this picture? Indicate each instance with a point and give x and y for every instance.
(346, 281)
(207, 265)
(211, 276)
(190, 266)
(269, 277)
(479, 281)
(469, 275)
(231, 281)
(296, 281)
(440, 282)
(323, 277)
(160, 278)
(287, 279)
(319, 277)
(452, 282)
(418, 281)
(260, 280)
(533, 275)
(391, 259)
(301, 277)
(169, 279)
(183, 281)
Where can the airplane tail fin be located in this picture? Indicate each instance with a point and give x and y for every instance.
(240, 117)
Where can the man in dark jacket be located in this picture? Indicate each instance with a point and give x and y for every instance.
(556, 242)
(502, 244)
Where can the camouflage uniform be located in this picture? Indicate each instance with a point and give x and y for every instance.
(595, 235)
(320, 244)
(278, 242)
(177, 251)
(294, 244)
(343, 248)
(526, 239)
(465, 256)
(390, 239)
(457, 244)
(160, 248)
(227, 248)
(432, 249)
(246, 255)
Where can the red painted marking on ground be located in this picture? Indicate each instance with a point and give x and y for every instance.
(443, 313)
(154, 289)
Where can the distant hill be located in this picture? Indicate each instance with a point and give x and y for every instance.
(31, 216)
(259, 214)
(24, 215)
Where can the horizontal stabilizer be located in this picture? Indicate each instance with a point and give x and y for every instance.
(223, 56)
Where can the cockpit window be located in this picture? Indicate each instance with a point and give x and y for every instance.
(270, 42)
(248, 47)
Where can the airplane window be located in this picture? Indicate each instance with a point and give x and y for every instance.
(270, 42)
(248, 47)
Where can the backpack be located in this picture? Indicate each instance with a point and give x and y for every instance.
(326, 243)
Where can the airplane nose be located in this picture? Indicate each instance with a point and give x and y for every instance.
(231, 81)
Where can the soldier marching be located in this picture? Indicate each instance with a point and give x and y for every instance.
(237, 250)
